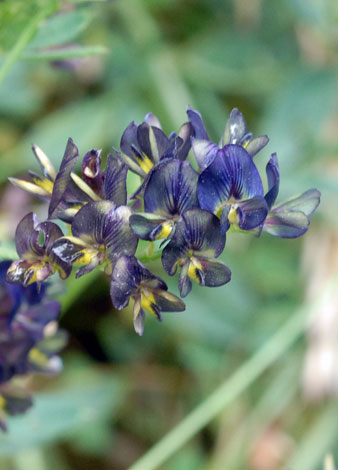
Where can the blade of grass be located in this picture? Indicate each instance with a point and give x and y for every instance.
(281, 390)
(170, 86)
(24, 38)
(320, 439)
(144, 32)
(32, 458)
(141, 27)
(229, 390)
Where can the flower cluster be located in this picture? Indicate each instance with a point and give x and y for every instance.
(29, 341)
(190, 206)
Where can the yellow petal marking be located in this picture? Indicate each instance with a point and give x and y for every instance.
(29, 187)
(145, 163)
(37, 357)
(86, 256)
(153, 144)
(232, 216)
(194, 267)
(44, 183)
(147, 300)
(37, 268)
(165, 230)
(2, 402)
(72, 211)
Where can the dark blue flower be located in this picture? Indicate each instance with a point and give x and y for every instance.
(235, 132)
(291, 218)
(63, 177)
(29, 341)
(145, 145)
(196, 243)
(91, 170)
(130, 279)
(171, 190)
(100, 234)
(34, 242)
(70, 192)
(110, 184)
(25, 342)
(66, 191)
(59, 188)
(12, 296)
(231, 188)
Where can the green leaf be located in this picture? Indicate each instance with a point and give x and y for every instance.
(62, 412)
(27, 99)
(23, 39)
(73, 52)
(308, 93)
(15, 16)
(60, 29)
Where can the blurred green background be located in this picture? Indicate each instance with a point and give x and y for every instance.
(85, 69)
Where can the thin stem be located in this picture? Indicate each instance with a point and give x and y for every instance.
(229, 390)
(26, 35)
(144, 258)
(31, 458)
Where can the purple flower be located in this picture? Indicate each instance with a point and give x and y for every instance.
(196, 243)
(29, 341)
(66, 191)
(70, 192)
(130, 279)
(25, 341)
(100, 234)
(231, 188)
(144, 145)
(171, 190)
(12, 296)
(236, 132)
(34, 242)
(291, 218)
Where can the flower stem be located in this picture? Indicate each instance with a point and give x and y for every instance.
(144, 258)
(229, 390)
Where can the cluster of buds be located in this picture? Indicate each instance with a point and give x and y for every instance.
(29, 342)
(190, 206)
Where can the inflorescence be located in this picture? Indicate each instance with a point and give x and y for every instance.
(29, 342)
(189, 209)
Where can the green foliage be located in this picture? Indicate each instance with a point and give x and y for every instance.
(60, 29)
(14, 17)
(32, 36)
(277, 62)
(62, 413)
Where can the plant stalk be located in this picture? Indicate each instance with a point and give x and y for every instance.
(231, 388)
